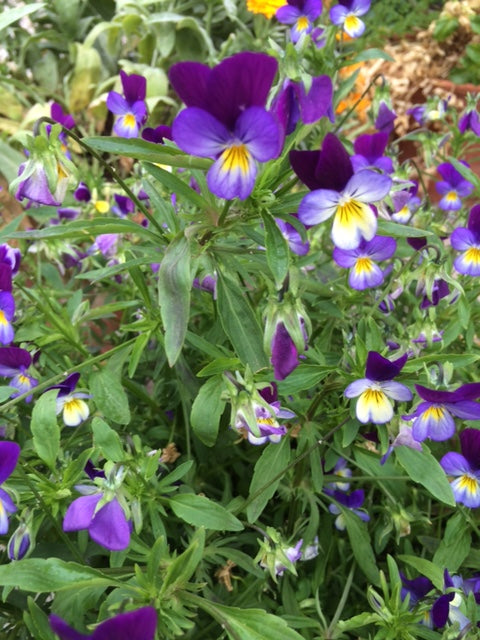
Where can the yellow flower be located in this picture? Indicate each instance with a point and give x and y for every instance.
(267, 7)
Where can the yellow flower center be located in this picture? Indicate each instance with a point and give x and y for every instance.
(473, 255)
(350, 212)
(102, 206)
(236, 157)
(129, 120)
(363, 265)
(24, 380)
(267, 422)
(351, 22)
(451, 196)
(374, 396)
(3, 320)
(469, 483)
(61, 173)
(434, 412)
(74, 404)
(302, 23)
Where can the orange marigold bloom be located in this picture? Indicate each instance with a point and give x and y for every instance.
(267, 7)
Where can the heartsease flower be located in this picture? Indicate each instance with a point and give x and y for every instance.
(364, 272)
(70, 403)
(288, 341)
(9, 454)
(293, 237)
(131, 110)
(14, 364)
(467, 240)
(346, 15)
(140, 624)
(226, 119)
(339, 192)
(377, 387)
(352, 501)
(452, 188)
(465, 469)
(385, 118)
(7, 311)
(301, 14)
(369, 150)
(267, 427)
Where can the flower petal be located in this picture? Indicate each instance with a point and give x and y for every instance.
(109, 528)
(197, 132)
(318, 206)
(353, 221)
(367, 186)
(9, 454)
(133, 625)
(260, 132)
(233, 174)
(365, 274)
(374, 406)
(80, 513)
(64, 631)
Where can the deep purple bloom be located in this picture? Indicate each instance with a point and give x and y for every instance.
(106, 525)
(346, 15)
(19, 544)
(157, 135)
(293, 103)
(14, 363)
(440, 290)
(352, 501)
(467, 240)
(293, 237)
(465, 468)
(364, 272)
(123, 206)
(417, 588)
(339, 192)
(68, 213)
(369, 150)
(385, 118)
(470, 121)
(7, 311)
(208, 284)
(131, 109)
(286, 350)
(453, 187)
(226, 119)
(65, 119)
(433, 417)
(377, 387)
(301, 14)
(11, 257)
(71, 403)
(9, 453)
(133, 625)
(82, 193)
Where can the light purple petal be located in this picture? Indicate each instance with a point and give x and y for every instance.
(357, 387)
(435, 423)
(338, 13)
(288, 14)
(117, 104)
(365, 274)
(318, 206)
(462, 239)
(80, 513)
(110, 528)
(396, 390)
(345, 258)
(367, 186)
(454, 464)
(233, 174)
(466, 409)
(260, 132)
(197, 132)
(466, 490)
(380, 247)
(9, 453)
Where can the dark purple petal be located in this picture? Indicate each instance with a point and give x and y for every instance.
(82, 193)
(285, 107)
(316, 103)
(189, 79)
(385, 118)
(417, 588)
(304, 164)
(80, 513)
(197, 132)
(379, 368)
(371, 146)
(133, 625)
(470, 391)
(473, 223)
(109, 527)
(64, 631)
(440, 609)
(134, 87)
(13, 360)
(157, 135)
(334, 168)
(431, 395)
(9, 453)
(284, 353)
(68, 385)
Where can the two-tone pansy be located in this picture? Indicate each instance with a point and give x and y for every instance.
(465, 469)
(132, 625)
(7, 311)
(346, 14)
(452, 188)
(70, 403)
(226, 119)
(9, 453)
(14, 364)
(338, 192)
(467, 240)
(377, 388)
(301, 14)
(130, 109)
(362, 261)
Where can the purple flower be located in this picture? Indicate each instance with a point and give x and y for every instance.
(352, 501)
(131, 110)
(364, 272)
(123, 206)
(285, 349)
(19, 544)
(369, 150)
(157, 135)
(433, 417)
(405, 203)
(208, 284)
(11, 257)
(465, 468)
(301, 14)
(7, 311)
(339, 192)
(417, 589)
(293, 237)
(377, 387)
(106, 243)
(440, 290)
(9, 453)
(103, 518)
(68, 213)
(65, 119)
(82, 193)
(267, 428)
(453, 187)
(293, 103)
(133, 625)
(226, 119)
(385, 118)
(340, 469)
(33, 183)
(14, 363)
(470, 121)
(70, 403)
(346, 15)
(467, 240)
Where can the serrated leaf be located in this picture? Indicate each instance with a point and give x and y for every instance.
(174, 287)
(199, 511)
(109, 396)
(44, 427)
(423, 468)
(207, 410)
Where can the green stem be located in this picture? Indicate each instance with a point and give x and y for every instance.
(341, 604)
(357, 102)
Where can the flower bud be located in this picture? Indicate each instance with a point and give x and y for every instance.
(19, 544)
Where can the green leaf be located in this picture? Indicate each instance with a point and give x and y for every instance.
(274, 459)
(174, 184)
(239, 323)
(372, 54)
(183, 567)
(466, 172)
(305, 376)
(361, 547)
(45, 430)
(107, 440)
(397, 230)
(109, 396)
(199, 511)
(6, 392)
(455, 545)
(423, 468)
(9, 16)
(174, 287)
(458, 360)
(278, 255)
(85, 228)
(219, 365)
(170, 479)
(426, 568)
(207, 410)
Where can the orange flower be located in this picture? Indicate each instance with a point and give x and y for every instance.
(267, 7)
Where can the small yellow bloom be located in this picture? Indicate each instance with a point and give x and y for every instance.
(102, 206)
(267, 7)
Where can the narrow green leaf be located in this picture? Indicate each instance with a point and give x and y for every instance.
(107, 440)
(183, 567)
(109, 396)
(175, 475)
(85, 228)
(174, 184)
(423, 468)
(137, 352)
(240, 324)
(174, 287)
(207, 410)
(361, 547)
(397, 230)
(455, 545)
(199, 511)
(278, 255)
(9, 16)
(305, 376)
(428, 569)
(45, 429)
(274, 459)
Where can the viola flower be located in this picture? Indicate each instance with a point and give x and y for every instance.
(157, 135)
(377, 387)
(34, 185)
(385, 118)
(369, 150)
(68, 213)
(301, 14)
(7, 311)
(467, 240)
(267, 8)
(66, 120)
(405, 203)
(286, 345)
(123, 206)
(10, 257)
(340, 469)
(352, 501)
(343, 194)
(140, 624)
(106, 243)
(9, 454)
(346, 15)
(465, 468)
(364, 272)
(453, 187)
(293, 103)
(293, 237)
(226, 119)
(82, 193)
(267, 428)
(430, 112)
(19, 544)
(470, 120)
(440, 290)
(131, 109)
(71, 403)
(14, 363)
(433, 417)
